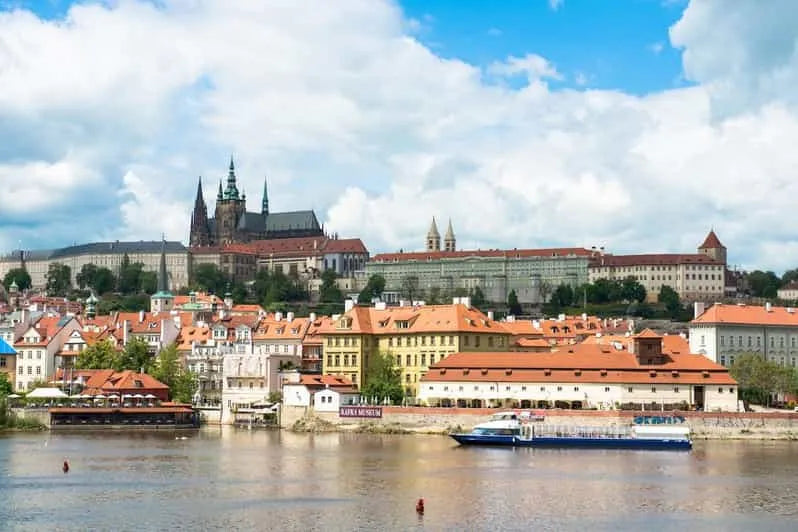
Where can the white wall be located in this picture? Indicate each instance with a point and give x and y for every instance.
(296, 395)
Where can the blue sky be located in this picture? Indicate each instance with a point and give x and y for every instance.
(529, 123)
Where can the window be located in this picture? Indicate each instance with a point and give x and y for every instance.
(749, 341)
(653, 389)
(337, 360)
(2, 362)
(451, 340)
(606, 388)
(740, 341)
(676, 389)
(506, 388)
(476, 341)
(329, 360)
(523, 388)
(722, 360)
(576, 388)
(781, 342)
(30, 370)
(407, 360)
(731, 390)
(542, 388)
(423, 359)
(559, 388)
(407, 377)
(721, 340)
(20, 370)
(354, 360)
(346, 360)
(702, 339)
(720, 390)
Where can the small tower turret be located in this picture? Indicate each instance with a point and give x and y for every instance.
(433, 237)
(449, 242)
(162, 300)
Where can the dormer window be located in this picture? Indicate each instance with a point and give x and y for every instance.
(402, 324)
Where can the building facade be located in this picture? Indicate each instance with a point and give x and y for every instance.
(232, 223)
(695, 277)
(582, 376)
(38, 347)
(532, 273)
(104, 254)
(724, 332)
(415, 337)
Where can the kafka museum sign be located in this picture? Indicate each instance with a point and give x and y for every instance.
(360, 411)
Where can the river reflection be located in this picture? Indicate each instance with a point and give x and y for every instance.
(241, 480)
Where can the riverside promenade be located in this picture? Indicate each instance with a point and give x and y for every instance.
(431, 420)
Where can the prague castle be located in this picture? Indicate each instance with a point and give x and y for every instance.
(232, 223)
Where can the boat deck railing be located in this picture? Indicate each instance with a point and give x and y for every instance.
(567, 431)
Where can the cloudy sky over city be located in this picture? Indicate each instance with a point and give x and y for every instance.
(635, 125)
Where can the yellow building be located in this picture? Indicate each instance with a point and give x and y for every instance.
(416, 337)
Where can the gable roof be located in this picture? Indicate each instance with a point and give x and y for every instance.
(654, 259)
(748, 315)
(292, 221)
(711, 242)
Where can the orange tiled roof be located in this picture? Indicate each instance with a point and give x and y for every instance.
(578, 363)
(423, 319)
(711, 241)
(647, 333)
(748, 315)
(671, 343)
(654, 259)
(270, 329)
(189, 335)
(339, 383)
(532, 342)
(250, 309)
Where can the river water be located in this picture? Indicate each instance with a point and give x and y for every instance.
(268, 480)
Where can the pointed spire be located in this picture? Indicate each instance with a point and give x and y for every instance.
(449, 242)
(219, 195)
(163, 281)
(449, 231)
(433, 229)
(231, 192)
(264, 209)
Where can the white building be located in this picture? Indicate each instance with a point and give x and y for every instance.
(695, 276)
(788, 292)
(325, 393)
(582, 376)
(723, 332)
(38, 346)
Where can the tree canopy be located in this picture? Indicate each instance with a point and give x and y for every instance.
(169, 370)
(20, 275)
(101, 355)
(514, 307)
(275, 287)
(5, 385)
(478, 297)
(59, 279)
(329, 291)
(410, 289)
(383, 379)
(98, 278)
(374, 288)
(763, 284)
(759, 378)
(670, 298)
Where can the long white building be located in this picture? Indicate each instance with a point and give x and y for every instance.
(582, 376)
(723, 332)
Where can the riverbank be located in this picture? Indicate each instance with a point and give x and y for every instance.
(425, 420)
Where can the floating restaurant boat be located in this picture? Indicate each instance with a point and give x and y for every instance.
(516, 430)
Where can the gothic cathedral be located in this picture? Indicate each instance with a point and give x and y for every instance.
(232, 223)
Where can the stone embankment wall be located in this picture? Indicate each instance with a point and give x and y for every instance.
(42, 415)
(209, 415)
(704, 425)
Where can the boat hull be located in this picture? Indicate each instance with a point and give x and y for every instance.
(574, 442)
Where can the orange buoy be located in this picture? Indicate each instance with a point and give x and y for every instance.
(420, 507)
(65, 467)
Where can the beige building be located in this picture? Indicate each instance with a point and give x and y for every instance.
(103, 254)
(788, 292)
(416, 336)
(582, 376)
(695, 277)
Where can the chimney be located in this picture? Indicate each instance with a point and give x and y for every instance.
(698, 308)
(289, 317)
(465, 301)
(141, 316)
(490, 315)
(561, 317)
(768, 307)
(402, 303)
(312, 317)
(380, 305)
(349, 304)
(584, 316)
(125, 329)
(23, 316)
(278, 316)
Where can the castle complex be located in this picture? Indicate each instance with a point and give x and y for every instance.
(232, 223)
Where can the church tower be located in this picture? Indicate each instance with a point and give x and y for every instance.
(433, 237)
(230, 207)
(713, 248)
(449, 242)
(264, 209)
(162, 300)
(200, 234)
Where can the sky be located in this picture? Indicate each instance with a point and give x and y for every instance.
(636, 125)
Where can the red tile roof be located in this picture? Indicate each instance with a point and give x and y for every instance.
(711, 242)
(505, 253)
(748, 315)
(339, 383)
(653, 259)
(578, 363)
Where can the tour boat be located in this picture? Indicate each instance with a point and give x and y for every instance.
(515, 430)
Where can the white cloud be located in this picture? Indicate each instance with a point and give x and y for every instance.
(656, 47)
(109, 116)
(556, 4)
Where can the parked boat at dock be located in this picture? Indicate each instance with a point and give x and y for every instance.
(517, 430)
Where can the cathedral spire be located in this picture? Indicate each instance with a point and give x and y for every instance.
(449, 242)
(265, 205)
(219, 194)
(231, 192)
(163, 280)
(433, 237)
(200, 234)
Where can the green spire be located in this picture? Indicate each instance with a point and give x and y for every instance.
(265, 205)
(231, 192)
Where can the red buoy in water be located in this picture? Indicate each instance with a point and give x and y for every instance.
(420, 507)
(65, 467)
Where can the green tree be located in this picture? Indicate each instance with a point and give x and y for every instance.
(478, 297)
(129, 280)
(329, 291)
(135, 356)
(435, 296)
(763, 284)
(632, 290)
(5, 385)
(789, 276)
(20, 275)
(383, 379)
(514, 307)
(59, 279)
(563, 296)
(85, 277)
(148, 282)
(208, 278)
(169, 370)
(374, 288)
(410, 289)
(101, 355)
(670, 298)
(759, 379)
